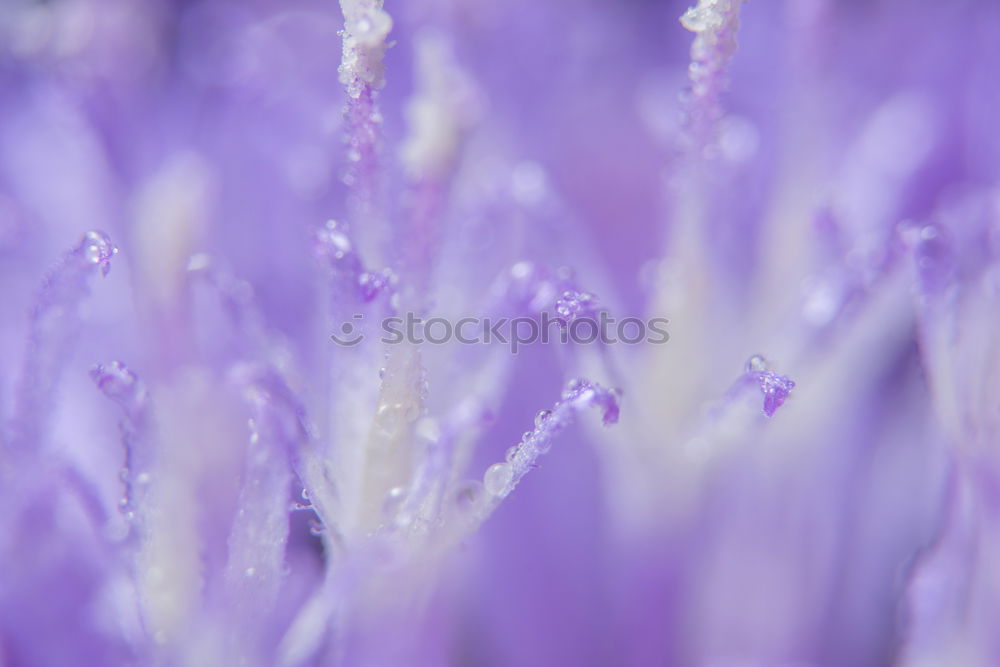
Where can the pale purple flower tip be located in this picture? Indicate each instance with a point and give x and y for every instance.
(775, 389)
(573, 305)
(578, 394)
(584, 392)
(773, 386)
(222, 453)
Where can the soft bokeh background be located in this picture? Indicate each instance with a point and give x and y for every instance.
(680, 537)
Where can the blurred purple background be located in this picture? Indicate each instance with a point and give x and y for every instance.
(842, 218)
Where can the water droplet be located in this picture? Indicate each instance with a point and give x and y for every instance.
(701, 18)
(393, 500)
(756, 363)
(97, 248)
(573, 388)
(332, 241)
(542, 417)
(512, 453)
(371, 27)
(497, 479)
(305, 494)
(250, 571)
(389, 419)
(573, 305)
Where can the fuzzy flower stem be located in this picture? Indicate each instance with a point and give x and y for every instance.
(366, 26)
(715, 24)
(122, 386)
(501, 478)
(55, 320)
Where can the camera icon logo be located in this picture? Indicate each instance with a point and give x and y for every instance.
(349, 335)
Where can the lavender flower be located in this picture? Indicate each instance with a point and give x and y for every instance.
(199, 202)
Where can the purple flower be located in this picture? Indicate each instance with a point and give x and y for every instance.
(211, 455)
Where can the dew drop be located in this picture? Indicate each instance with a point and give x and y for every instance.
(389, 419)
(756, 364)
(542, 417)
(393, 501)
(497, 479)
(573, 389)
(512, 453)
(97, 248)
(332, 241)
(698, 19)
